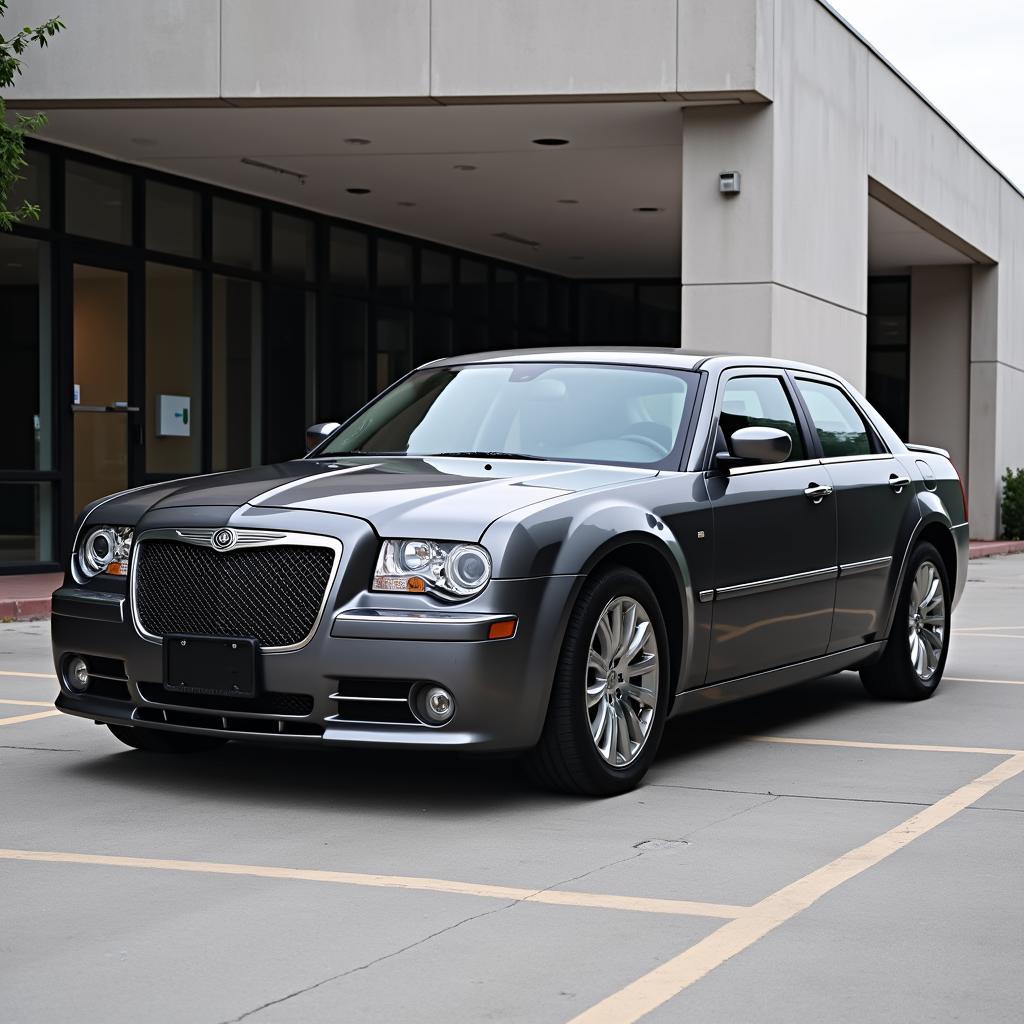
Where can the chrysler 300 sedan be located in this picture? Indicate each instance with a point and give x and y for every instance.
(548, 552)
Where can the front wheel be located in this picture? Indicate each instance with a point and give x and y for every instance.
(611, 691)
(160, 741)
(914, 657)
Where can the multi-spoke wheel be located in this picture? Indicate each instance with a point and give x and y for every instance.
(911, 664)
(622, 680)
(610, 692)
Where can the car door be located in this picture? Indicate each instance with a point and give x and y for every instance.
(774, 537)
(875, 501)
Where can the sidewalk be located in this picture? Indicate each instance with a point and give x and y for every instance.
(28, 597)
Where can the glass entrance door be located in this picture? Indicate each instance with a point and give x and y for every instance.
(104, 414)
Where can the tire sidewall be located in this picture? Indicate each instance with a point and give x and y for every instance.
(572, 674)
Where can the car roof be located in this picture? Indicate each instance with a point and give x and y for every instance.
(628, 355)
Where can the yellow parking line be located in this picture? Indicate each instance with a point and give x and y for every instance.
(27, 718)
(672, 977)
(968, 679)
(30, 703)
(929, 748)
(30, 675)
(558, 897)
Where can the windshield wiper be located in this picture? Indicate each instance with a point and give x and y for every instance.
(482, 455)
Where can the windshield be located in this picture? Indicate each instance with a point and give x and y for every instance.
(571, 412)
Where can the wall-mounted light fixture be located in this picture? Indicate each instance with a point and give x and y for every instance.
(729, 183)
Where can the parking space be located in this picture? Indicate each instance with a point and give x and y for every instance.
(809, 854)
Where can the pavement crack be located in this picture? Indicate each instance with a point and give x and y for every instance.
(794, 796)
(54, 750)
(369, 963)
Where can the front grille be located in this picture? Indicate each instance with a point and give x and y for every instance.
(225, 723)
(272, 593)
(270, 702)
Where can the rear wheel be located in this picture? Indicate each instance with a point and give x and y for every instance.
(610, 693)
(160, 741)
(912, 663)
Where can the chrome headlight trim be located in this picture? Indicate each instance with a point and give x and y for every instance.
(451, 570)
(104, 549)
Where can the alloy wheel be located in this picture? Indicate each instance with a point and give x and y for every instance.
(927, 621)
(622, 681)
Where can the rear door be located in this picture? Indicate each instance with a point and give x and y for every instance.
(774, 537)
(875, 503)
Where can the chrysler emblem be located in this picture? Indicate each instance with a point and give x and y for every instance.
(223, 539)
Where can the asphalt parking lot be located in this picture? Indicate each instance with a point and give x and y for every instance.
(809, 855)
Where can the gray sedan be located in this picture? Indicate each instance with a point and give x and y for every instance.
(548, 552)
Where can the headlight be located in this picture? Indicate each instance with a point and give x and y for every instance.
(447, 568)
(105, 549)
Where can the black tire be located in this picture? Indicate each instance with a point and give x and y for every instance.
(160, 741)
(566, 759)
(893, 676)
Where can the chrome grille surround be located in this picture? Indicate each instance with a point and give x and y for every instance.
(242, 540)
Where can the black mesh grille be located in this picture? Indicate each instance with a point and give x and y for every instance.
(270, 702)
(270, 593)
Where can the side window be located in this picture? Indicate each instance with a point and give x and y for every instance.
(759, 402)
(840, 427)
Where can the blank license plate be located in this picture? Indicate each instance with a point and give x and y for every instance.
(210, 664)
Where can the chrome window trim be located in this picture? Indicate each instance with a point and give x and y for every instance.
(768, 466)
(776, 583)
(245, 540)
(870, 565)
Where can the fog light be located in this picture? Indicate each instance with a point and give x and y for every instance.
(77, 675)
(435, 705)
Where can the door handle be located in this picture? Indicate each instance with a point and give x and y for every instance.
(818, 492)
(897, 483)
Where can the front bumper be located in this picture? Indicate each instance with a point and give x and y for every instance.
(369, 648)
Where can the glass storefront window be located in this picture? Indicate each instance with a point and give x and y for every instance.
(506, 294)
(606, 313)
(433, 337)
(236, 383)
(535, 300)
(236, 234)
(394, 271)
(435, 279)
(341, 380)
(657, 314)
(472, 289)
(292, 246)
(174, 377)
(289, 339)
(172, 219)
(394, 347)
(349, 258)
(26, 413)
(98, 202)
(33, 186)
(26, 523)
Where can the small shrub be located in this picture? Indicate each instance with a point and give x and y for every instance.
(1013, 504)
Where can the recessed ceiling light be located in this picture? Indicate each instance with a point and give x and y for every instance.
(648, 209)
(464, 167)
(568, 202)
(576, 257)
(405, 202)
(356, 142)
(358, 191)
(551, 142)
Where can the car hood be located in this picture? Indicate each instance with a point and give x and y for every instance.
(444, 498)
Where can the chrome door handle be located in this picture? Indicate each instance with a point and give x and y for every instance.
(897, 483)
(817, 492)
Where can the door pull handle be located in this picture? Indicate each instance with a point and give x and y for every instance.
(818, 492)
(897, 483)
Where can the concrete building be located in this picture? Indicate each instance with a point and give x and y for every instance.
(258, 213)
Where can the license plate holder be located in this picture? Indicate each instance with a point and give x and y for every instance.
(224, 666)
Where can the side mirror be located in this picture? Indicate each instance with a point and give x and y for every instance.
(751, 446)
(316, 433)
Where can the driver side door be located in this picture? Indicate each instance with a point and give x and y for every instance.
(775, 537)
